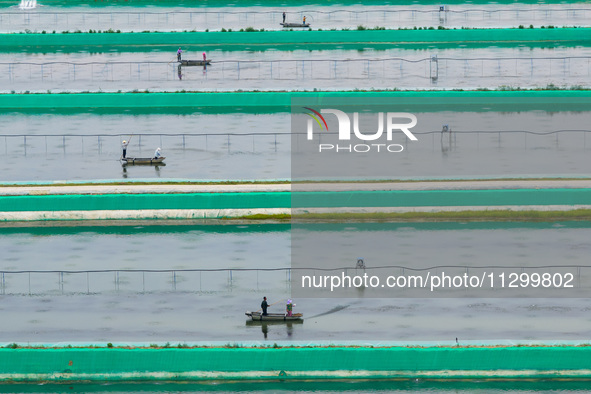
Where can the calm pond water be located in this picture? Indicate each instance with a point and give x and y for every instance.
(47, 147)
(300, 69)
(127, 307)
(320, 16)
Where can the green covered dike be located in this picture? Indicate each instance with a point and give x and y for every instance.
(273, 102)
(170, 364)
(127, 202)
(286, 200)
(291, 40)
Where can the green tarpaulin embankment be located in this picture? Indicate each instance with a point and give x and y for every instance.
(125, 202)
(391, 198)
(290, 40)
(272, 102)
(103, 364)
(441, 198)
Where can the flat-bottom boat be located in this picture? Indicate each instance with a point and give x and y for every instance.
(277, 317)
(295, 24)
(195, 62)
(142, 160)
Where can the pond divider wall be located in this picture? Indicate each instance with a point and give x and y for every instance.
(233, 205)
(170, 364)
(290, 40)
(272, 102)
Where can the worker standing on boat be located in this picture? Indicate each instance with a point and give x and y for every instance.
(204, 57)
(178, 54)
(264, 306)
(289, 307)
(283, 17)
(304, 19)
(124, 147)
(157, 153)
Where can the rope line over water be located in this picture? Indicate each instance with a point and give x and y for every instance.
(104, 143)
(46, 19)
(432, 69)
(366, 268)
(247, 134)
(426, 59)
(19, 282)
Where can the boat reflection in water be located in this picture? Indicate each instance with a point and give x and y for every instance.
(265, 325)
(155, 166)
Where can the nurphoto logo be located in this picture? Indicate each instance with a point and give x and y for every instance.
(389, 121)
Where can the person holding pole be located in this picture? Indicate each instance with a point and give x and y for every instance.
(124, 147)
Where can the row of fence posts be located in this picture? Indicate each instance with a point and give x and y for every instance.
(295, 147)
(61, 283)
(360, 265)
(331, 71)
(26, 141)
(172, 17)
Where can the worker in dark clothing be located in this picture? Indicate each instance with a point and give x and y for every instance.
(284, 17)
(264, 306)
(178, 54)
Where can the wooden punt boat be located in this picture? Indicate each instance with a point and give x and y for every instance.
(274, 317)
(195, 62)
(142, 160)
(264, 323)
(286, 24)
